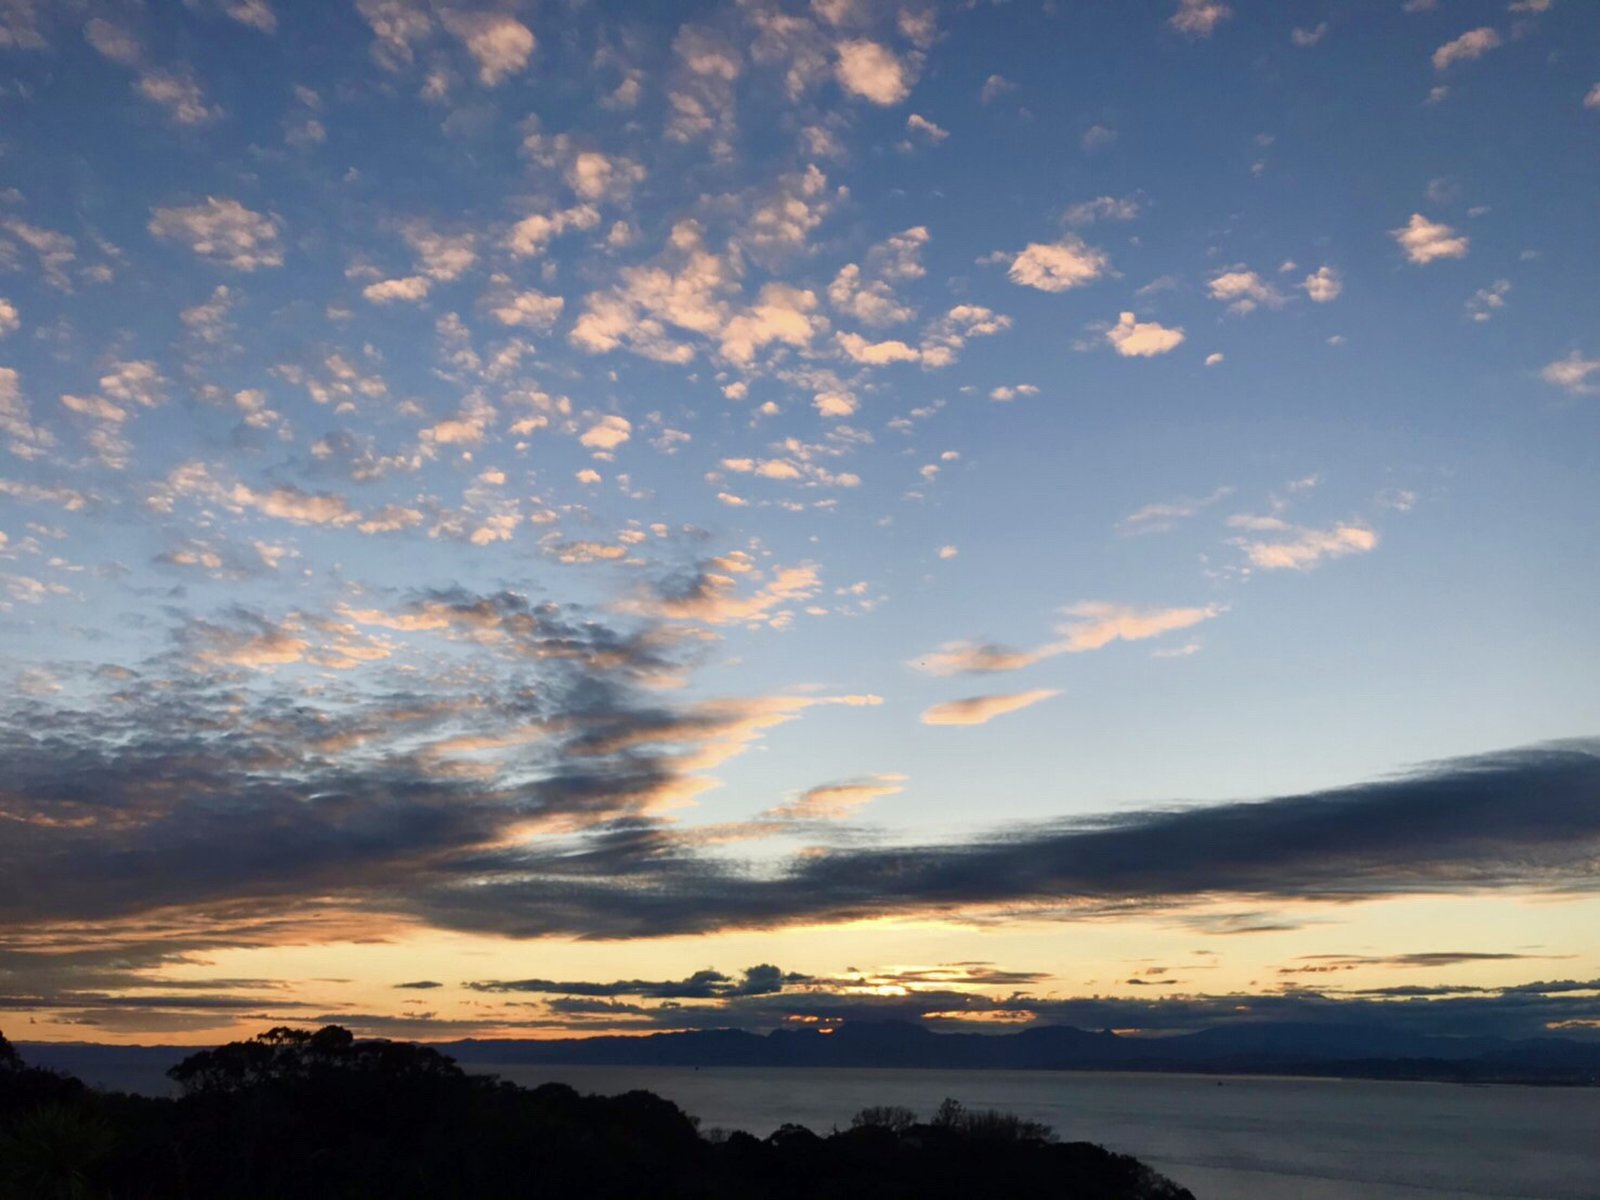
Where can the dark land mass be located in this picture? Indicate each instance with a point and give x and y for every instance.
(293, 1113)
(1266, 1049)
(1312, 1050)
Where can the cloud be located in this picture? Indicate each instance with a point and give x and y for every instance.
(531, 309)
(222, 231)
(1136, 339)
(1103, 208)
(410, 290)
(1473, 44)
(869, 70)
(876, 353)
(498, 42)
(1199, 18)
(113, 42)
(1095, 624)
(440, 256)
(919, 126)
(980, 710)
(701, 96)
(607, 433)
(1058, 266)
(1242, 291)
(530, 235)
(1572, 374)
(1424, 241)
(1091, 625)
(1159, 518)
(1516, 820)
(257, 14)
(728, 589)
(1487, 301)
(1591, 98)
(1309, 37)
(1323, 285)
(179, 95)
(707, 984)
(835, 801)
(1298, 548)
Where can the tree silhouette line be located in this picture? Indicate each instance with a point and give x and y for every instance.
(294, 1113)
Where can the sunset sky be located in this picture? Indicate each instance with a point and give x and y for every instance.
(541, 518)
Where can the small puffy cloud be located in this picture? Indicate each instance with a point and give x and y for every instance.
(410, 290)
(1489, 300)
(994, 87)
(113, 42)
(531, 309)
(781, 314)
(1058, 266)
(920, 127)
(257, 14)
(948, 552)
(529, 236)
(607, 433)
(1215, 358)
(440, 256)
(1425, 241)
(1573, 373)
(1097, 137)
(223, 232)
(10, 321)
(836, 404)
(1142, 339)
(876, 354)
(1103, 208)
(1473, 44)
(1244, 291)
(396, 26)
(596, 176)
(1309, 37)
(1592, 98)
(179, 95)
(871, 301)
(1005, 393)
(1323, 285)
(980, 710)
(498, 42)
(1199, 18)
(866, 69)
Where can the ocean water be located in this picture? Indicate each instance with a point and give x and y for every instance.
(1237, 1139)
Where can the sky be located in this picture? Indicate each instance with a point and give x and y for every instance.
(534, 519)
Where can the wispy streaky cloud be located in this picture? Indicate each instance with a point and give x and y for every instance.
(1090, 625)
(980, 710)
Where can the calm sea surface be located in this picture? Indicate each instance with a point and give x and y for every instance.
(1248, 1139)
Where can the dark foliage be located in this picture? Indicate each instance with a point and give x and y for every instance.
(322, 1115)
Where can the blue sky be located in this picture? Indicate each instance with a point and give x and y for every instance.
(480, 471)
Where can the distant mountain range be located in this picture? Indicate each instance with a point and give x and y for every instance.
(1272, 1049)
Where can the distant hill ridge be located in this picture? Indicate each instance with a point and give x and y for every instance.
(1276, 1048)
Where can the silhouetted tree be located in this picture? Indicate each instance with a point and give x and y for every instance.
(892, 1117)
(55, 1151)
(325, 1116)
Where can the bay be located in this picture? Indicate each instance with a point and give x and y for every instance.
(1238, 1138)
